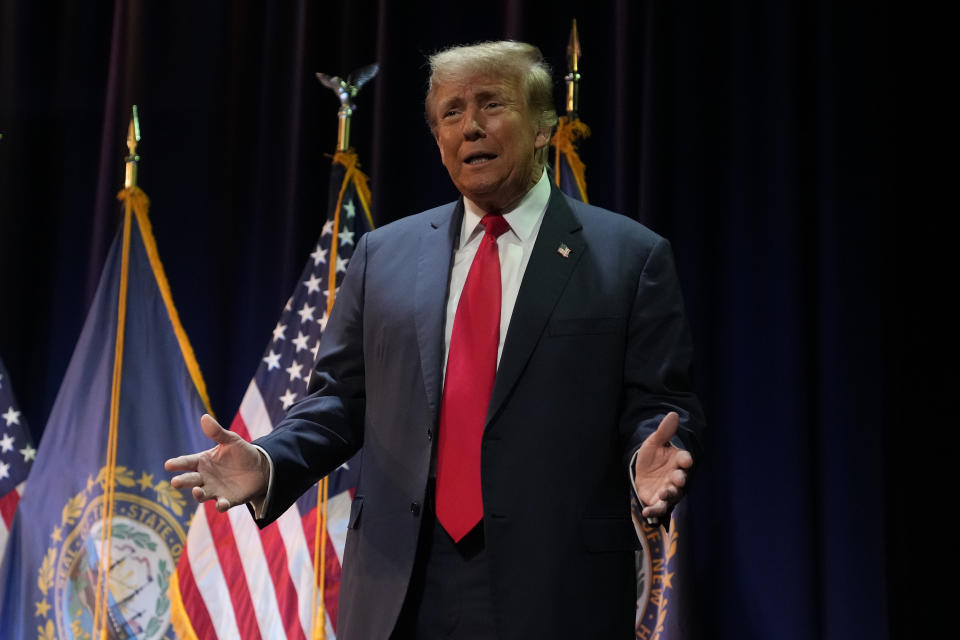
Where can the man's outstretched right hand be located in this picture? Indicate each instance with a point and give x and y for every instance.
(233, 472)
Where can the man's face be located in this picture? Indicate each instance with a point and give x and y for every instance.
(487, 139)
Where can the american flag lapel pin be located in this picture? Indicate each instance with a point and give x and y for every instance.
(563, 250)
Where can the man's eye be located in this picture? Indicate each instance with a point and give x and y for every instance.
(450, 113)
(493, 105)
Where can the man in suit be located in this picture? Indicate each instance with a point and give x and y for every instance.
(509, 363)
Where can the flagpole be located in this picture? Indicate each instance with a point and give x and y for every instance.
(573, 73)
(346, 91)
(570, 128)
(102, 603)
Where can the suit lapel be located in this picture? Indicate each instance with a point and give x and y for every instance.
(433, 277)
(544, 280)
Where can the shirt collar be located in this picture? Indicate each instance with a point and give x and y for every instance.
(521, 219)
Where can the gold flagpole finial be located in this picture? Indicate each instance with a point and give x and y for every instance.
(133, 138)
(346, 91)
(573, 76)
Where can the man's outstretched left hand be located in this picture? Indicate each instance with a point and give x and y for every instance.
(660, 472)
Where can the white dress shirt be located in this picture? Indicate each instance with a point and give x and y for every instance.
(515, 247)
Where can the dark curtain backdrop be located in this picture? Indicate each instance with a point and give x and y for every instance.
(758, 137)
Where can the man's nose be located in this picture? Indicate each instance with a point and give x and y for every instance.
(473, 126)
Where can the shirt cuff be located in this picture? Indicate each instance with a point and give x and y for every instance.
(260, 505)
(632, 478)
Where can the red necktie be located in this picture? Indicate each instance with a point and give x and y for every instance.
(471, 369)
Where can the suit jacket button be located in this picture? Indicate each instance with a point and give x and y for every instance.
(429, 434)
(415, 508)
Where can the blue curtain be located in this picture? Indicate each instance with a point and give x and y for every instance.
(756, 136)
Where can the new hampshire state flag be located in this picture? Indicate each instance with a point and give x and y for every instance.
(99, 529)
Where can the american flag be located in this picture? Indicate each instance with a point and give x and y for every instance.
(16, 456)
(233, 580)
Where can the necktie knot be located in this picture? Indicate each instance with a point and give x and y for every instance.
(495, 225)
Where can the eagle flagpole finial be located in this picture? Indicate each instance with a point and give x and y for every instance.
(346, 91)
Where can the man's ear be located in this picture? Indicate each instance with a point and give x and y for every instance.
(542, 139)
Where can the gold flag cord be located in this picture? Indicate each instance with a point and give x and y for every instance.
(141, 209)
(565, 140)
(100, 625)
(352, 173)
(320, 562)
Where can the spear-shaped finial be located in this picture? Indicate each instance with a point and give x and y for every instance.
(346, 91)
(133, 138)
(573, 76)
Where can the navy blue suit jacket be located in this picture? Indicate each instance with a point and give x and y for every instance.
(597, 352)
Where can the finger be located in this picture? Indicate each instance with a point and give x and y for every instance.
(183, 463)
(670, 494)
(223, 504)
(658, 508)
(666, 430)
(684, 460)
(213, 430)
(678, 477)
(187, 480)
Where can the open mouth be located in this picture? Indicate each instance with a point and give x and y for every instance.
(479, 158)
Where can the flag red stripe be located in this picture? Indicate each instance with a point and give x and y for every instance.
(8, 506)
(331, 595)
(227, 553)
(193, 602)
(309, 521)
(287, 599)
(239, 427)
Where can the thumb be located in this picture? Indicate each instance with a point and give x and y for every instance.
(667, 429)
(213, 430)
